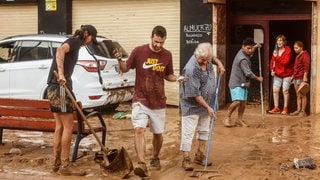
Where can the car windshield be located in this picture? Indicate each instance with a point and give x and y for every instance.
(106, 48)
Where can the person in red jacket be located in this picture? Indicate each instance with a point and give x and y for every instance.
(300, 74)
(281, 67)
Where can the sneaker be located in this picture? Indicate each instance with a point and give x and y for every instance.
(295, 113)
(155, 164)
(275, 110)
(68, 169)
(241, 123)
(284, 111)
(302, 114)
(200, 159)
(227, 121)
(186, 164)
(141, 170)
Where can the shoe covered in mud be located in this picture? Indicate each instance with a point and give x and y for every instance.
(68, 169)
(275, 110)
(186, 164)
(227, 122)
(141, 170)
(285, 111)
(304, 163)
(200, 159)
(302, 114)
(56, 165)
(295, 113)
(241, 123)
(155, 164)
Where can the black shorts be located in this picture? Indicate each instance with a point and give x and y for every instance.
(59, 100)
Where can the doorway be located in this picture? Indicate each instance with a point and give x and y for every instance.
(293, 30)
(243, 26)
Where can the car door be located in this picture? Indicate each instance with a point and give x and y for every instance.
(29, 71)
(6, 56)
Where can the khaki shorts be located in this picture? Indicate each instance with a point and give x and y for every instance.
(142, 114)
(59, 100)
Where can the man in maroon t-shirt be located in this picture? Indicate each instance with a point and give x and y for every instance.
(153, 64)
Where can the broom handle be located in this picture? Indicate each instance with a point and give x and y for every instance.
(261, 89)
(215, 109)
(83, 117)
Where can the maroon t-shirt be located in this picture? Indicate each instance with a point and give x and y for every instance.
(301, 65)
(151, 69)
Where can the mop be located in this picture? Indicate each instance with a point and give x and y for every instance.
(199, 172)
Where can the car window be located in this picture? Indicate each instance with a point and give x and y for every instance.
(34, 50)
(106, 48)
(6, 52)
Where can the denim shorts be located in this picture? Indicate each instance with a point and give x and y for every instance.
(239, 94)
(284, 82)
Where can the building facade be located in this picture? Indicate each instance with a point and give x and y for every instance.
(130, 22)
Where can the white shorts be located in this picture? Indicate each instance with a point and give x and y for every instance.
(190, 125)
(141, 114)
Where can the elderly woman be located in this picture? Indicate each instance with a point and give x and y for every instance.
(196, 100)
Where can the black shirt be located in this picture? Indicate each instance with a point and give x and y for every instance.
(70, 61)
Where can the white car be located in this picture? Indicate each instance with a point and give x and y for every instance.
(25, 62)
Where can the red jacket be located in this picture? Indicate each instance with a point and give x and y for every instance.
(283, 65)
(301, 65)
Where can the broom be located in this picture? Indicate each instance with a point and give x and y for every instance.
(198, 172)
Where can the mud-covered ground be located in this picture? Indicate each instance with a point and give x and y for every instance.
(256, 152)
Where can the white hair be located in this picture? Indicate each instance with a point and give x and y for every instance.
(204, 50)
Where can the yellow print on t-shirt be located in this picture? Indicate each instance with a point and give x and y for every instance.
(153, 63)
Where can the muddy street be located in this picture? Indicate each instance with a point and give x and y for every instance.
(255, 152)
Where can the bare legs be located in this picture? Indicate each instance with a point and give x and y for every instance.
(140, 144)
(241, 105)
(301, 102)
(157, 144)
(286, 96)
(276, 91)
(62, 135)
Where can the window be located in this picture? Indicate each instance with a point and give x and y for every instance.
(6, 52)
(34, 50)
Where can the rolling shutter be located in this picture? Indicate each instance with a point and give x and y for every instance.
(130, 22)
(18, 19)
